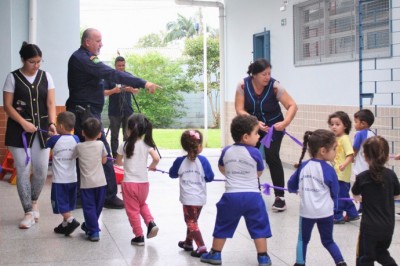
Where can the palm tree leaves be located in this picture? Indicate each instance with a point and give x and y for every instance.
(182, 27)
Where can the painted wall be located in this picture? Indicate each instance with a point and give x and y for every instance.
(318, 90)
(57, 36)
(14, 30)
(326, 84)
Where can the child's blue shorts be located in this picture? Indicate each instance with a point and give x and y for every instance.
(63, 197)
(250, 205)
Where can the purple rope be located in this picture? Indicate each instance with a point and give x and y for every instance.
(294, 139)
(165, 172)
(348, 199)
(266, 140)
(158, 170)
(267, 188)
(25, 143)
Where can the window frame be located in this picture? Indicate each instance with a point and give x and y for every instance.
(326, 31)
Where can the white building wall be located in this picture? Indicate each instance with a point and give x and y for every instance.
(327, 84)
(57, 36)
(318, 90)
(14, 27)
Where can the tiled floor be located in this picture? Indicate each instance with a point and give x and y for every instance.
(41, 246)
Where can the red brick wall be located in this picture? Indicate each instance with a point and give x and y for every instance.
(3, 123)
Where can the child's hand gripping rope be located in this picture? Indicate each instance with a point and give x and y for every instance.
(25, 143)
(267, 188)
(266, 140)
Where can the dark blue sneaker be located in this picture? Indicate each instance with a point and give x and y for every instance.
(94, 237)
(264, 261)
(211, 257)
(339, 221)
(84, 228)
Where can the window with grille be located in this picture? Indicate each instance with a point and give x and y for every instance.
(327, 31)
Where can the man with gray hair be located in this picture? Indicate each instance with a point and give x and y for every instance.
(86, 97)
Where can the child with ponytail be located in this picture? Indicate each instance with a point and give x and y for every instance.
(135, 185)
(193, 171)
(377, 188)
(317, 184)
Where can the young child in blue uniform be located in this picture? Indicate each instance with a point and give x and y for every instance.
(363, 120)
(242, 165)
(193, 171)
(64, 185)
(316, 182)
(377, 188)
(92, 155)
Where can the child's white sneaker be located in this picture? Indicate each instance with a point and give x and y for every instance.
(28, 221)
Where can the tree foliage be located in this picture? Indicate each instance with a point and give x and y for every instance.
(194, 49)
(162, 106)
(151, 40)
(181, 28)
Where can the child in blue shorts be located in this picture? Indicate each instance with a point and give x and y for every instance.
(64, 185)
(242, 165)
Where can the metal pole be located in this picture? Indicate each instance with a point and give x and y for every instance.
(33, 21)
(360, 53)
(205, 81)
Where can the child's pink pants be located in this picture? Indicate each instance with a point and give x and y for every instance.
(135, 195)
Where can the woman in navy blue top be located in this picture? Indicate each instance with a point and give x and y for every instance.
(259, 95)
